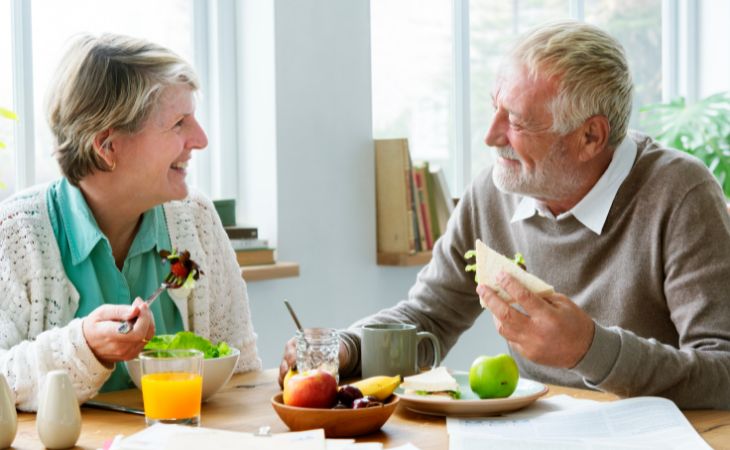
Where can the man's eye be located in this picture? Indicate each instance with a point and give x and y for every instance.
(179, 123)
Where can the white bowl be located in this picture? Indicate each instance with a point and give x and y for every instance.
(216, 372)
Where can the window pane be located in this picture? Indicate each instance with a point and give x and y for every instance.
(7, 160)
(166, 22)
(638, 26)
(493, 26)
(412, 75)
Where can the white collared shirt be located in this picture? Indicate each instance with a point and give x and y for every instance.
(592, 209)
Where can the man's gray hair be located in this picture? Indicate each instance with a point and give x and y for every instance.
(592, 72)
(109, 81)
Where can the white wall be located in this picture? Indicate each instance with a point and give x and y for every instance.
(324, 193)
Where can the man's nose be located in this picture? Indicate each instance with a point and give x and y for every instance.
(497, 133)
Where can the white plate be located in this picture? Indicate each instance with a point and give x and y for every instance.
(470, 404)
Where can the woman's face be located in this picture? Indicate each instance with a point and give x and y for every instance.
(154, 160)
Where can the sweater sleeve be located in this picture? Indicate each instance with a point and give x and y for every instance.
(24, 363)
(443, 300)
(696, 374)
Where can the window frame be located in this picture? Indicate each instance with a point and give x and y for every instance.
(680, 68)
(214, 39)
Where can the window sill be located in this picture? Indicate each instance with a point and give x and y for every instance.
(270, 271)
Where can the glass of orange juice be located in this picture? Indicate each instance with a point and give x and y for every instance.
(172, 386)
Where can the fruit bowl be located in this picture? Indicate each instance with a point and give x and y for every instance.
(337, 423)
(216, 372)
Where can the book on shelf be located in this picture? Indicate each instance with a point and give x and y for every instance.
(254, 257)
(444, 204)
(394, 194)
(249, 244)
(419, 174)
(242, 232)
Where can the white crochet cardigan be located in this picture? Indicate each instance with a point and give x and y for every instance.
(38, 332)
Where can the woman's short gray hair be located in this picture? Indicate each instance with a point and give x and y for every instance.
(103, 82)
(592, 72)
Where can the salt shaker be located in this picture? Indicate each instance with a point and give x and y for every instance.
(8, 415)
(59, 418)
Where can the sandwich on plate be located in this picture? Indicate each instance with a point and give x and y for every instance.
(490, 263)
(437, 381)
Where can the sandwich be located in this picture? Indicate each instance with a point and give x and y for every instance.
(489, 263)
(437, 381)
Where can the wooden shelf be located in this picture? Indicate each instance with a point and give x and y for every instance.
(404, 259)
(270, 271)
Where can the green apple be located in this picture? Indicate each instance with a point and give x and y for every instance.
(494, 376)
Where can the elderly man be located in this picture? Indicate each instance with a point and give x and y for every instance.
(634, 236)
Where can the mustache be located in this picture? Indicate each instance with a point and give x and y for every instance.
(507, 153)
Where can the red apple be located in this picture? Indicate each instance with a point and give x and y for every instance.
(311, 389)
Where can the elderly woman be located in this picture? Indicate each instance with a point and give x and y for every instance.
(77, 255)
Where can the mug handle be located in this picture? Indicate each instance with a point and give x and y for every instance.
(421, 335)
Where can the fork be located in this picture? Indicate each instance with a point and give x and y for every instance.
(126, 327)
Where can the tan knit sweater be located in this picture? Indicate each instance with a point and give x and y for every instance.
(656, 281)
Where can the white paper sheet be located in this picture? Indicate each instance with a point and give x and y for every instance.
(159, 436)
(641, 422)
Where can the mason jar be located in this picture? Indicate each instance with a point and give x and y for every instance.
(318, 348)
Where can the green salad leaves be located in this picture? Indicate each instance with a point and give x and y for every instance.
(518, 259)
(187, 340)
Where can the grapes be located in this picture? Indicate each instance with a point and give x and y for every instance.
(366, 402)
(347, 394)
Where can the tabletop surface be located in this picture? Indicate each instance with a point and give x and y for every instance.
(244, 405)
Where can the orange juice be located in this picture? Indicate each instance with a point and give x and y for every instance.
(172, 395)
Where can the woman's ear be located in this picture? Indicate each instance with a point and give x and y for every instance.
(594, 137)
(103, 146)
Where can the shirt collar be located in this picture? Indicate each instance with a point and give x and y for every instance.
(592, 210)
(83, 232)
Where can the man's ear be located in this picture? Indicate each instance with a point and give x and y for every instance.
(103, 146)
(593, 137)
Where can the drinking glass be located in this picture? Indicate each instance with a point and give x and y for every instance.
(318, 348)
(172, 386)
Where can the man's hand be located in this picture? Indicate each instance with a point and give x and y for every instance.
(290, 358)
(553, 332)
(110, 346)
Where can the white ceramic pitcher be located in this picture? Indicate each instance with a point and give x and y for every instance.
(8, 415)
(59, 418)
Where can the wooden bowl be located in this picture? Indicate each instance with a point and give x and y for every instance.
(337, 423)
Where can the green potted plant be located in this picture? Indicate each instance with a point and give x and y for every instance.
(701, 129)
(7, 114)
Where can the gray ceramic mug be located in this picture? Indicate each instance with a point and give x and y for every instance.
(392, 349)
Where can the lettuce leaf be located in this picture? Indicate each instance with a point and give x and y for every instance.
(187, 340)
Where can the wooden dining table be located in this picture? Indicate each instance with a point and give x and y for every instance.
(244, 405)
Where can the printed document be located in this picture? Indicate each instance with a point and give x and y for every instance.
(641, 422)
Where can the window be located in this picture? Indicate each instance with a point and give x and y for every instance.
(413, 40)
(161, 21)
(412, 72)
(7, 162)
(166, 22)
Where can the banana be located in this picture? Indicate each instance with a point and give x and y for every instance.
(380, 387)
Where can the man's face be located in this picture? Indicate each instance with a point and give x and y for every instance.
(533, 160)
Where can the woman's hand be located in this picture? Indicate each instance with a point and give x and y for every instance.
(110, 346)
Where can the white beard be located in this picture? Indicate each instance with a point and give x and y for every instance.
(555, 177)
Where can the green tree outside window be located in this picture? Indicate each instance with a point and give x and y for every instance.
(701, 129)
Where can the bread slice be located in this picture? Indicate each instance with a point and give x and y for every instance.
(490, 263)
(438, 379)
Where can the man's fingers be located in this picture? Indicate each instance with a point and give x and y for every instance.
(519, 293)
(508, 320)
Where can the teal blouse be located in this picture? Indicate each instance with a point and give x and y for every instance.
(89, 264)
